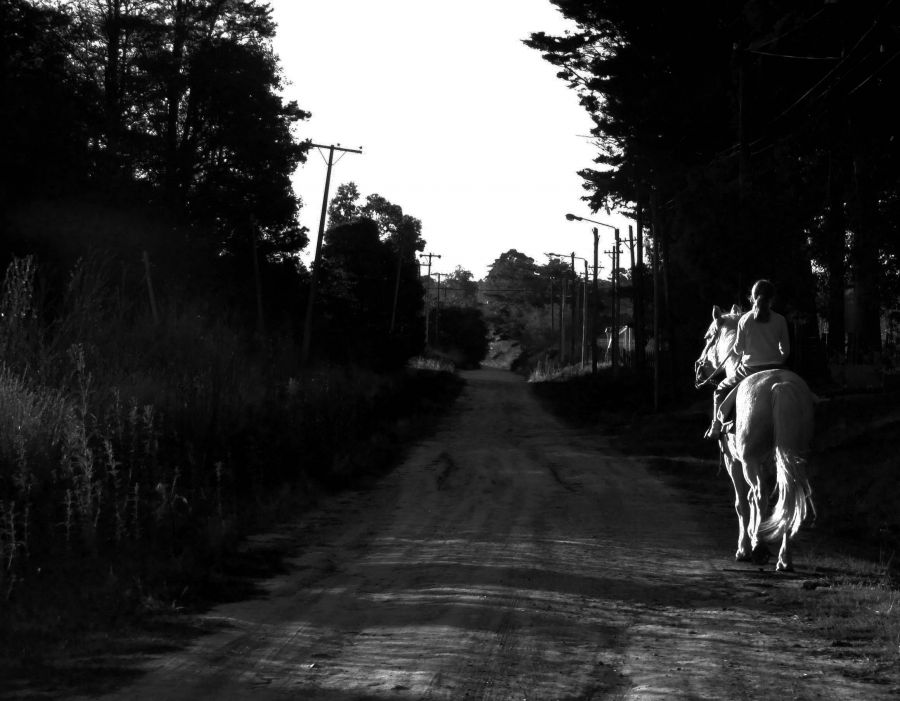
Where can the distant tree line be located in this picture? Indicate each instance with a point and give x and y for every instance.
(753, 139)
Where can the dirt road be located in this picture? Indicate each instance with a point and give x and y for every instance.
(509, 557)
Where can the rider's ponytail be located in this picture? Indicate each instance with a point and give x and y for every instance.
(762, 294)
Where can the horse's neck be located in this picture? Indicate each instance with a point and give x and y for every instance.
(723, 352)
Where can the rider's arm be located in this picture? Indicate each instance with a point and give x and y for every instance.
(740, 339)
(785, 340)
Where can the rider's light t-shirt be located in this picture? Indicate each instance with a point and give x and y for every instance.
(762, 343)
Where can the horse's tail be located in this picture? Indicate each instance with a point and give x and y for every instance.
(792, 418)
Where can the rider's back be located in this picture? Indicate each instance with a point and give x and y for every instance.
(762, 343)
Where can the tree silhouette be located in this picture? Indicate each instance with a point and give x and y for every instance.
(752, 138)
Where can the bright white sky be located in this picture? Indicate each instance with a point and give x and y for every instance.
(461, 124)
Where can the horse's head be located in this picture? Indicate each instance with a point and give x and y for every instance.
(716, 356)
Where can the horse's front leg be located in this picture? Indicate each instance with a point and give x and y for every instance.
(741, 507)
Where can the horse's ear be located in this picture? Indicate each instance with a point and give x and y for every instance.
(717, 312)
(735, 309)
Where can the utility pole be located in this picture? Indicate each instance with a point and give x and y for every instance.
(617, 251)
(614, 332)
(437, 313)
(307, 323)
(562, 321)
(429, 256)
(594, 295)
(654, 218)
(584, 314)
(574, 308)
(552, 312)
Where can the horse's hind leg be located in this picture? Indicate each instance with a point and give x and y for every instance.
(785, 559)
(741, 507)
(759, 501)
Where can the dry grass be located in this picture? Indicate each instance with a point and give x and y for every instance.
(134, 455)
(432, 364)
(552, 371)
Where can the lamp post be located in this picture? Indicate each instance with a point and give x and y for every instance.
(574, 217)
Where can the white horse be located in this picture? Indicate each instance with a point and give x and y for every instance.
(772, 436)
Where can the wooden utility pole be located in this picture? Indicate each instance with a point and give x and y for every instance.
(574, 308)
(594, 300)
(584, 315)
(552, 312)
(437, 313)
(614, 332)
(562, 321)
(615, 274)
(656, 300)
(637, 279)
(307, 323)
(427, 305)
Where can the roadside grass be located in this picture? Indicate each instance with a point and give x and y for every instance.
(553, 371)
(853, 603)
(135, 455)
(432, 364)
(847, 587)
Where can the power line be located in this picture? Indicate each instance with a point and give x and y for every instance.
(805, 58)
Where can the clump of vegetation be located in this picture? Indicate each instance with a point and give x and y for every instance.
(552, 371)
(855, 604)
(135, 453)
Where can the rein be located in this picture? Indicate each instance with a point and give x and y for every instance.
(699, 364)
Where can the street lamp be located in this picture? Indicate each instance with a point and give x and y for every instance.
(594, 294)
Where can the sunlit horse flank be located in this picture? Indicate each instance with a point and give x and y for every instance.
(773, 432)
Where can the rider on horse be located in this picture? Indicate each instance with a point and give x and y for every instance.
(762, 343)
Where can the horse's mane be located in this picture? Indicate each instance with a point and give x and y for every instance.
(722, 333)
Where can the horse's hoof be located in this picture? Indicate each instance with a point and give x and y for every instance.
(784, 567)
(760, 555)
(742, 556)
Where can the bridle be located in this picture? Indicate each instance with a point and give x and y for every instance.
(701, 362)
(698, 365)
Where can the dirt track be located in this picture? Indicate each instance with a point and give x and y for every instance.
(509, 557)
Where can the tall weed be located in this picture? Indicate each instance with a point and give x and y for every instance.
(139, 449)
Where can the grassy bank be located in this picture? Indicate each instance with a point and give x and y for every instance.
(136, 453)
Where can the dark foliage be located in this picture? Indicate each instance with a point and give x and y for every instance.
(154, 127)
(462, 335)
(752, 138)
(359, 320)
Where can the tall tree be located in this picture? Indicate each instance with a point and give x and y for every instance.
(748, 124)
(191, 108)
(344, 206)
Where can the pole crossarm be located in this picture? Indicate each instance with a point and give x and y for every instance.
(336, 147)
